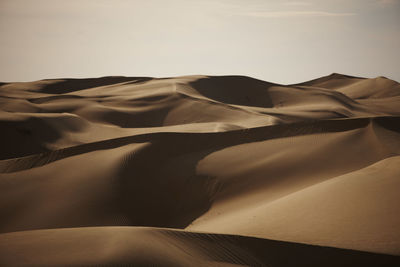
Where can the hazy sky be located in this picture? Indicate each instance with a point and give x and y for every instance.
(278, 41)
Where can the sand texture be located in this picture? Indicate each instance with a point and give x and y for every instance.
(200, 171)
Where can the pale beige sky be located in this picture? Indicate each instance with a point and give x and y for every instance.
(278, 41)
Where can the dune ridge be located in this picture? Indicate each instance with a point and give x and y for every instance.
(207, 170)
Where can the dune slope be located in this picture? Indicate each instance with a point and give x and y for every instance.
(95, 170)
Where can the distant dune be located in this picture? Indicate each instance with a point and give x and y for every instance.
(200, 171)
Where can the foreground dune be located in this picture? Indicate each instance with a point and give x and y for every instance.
(231, 161)
(137, 246)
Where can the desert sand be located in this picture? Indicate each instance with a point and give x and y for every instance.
(200, 171)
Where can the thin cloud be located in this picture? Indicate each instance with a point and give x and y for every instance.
(293, 14)
(297, 4)
(387, 2)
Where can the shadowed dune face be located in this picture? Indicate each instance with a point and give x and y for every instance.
(314, 163)
(237, 90)
(64, 86)
(116, 246)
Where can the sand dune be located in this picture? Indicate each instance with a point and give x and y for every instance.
(227, 163)
(138, 246)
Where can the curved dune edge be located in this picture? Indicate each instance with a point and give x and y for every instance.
(100, 169)
(138, 246)
(213, 139)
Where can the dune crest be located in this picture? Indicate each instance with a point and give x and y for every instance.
(200, 170)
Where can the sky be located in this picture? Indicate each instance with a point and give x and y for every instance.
(277, 41)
